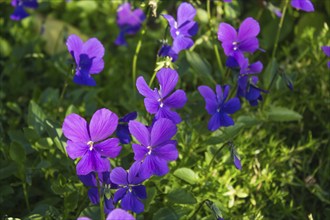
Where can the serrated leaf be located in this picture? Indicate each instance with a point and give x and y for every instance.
(186, 175)
(181, 196)
(283, 114)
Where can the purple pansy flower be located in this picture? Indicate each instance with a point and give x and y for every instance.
(160, 102)
(89, 180)
(119, 214)
(156, 147)
(304, 5)
(88, 58)
(19, 12)
(234, 155)
(90, 143)
(244, 40)
(131, 191)
(129, 22)
(167, 51)
(326, 50)
(122, 131)
(218, 107)
(184, 28)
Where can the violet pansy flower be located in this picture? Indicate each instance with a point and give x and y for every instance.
(326, 50)
(20, 5)
(130, 190)
(183, 28)
(89, 180)
(235, 158)
(304, 5)
(119, 214)
(161, 101)
(218, 107)
(245, 40)
(88, 58)
(129, 22)
(91, 143)
(156, 147)
(122, 131)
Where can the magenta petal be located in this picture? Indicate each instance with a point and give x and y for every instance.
(131, 202)
(140, 132)
(152, 105)
(103, 124)
(119, 176)
(119, 194)
(165, 112)
(76, 149)
(144, 89)
(248, 29)
(93, 48)
(167, 78)
(166, 152)
(74, 44)
(163, 130)
(139, 152)
(176, 100)
(97, 66)
(232, 106)
(226, 33)
(75, 128)
(108, 148)
(186, 12)
(304, 5)
(92, 161)
(210, 99)
(119, 214)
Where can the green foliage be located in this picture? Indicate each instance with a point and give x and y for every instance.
(283, 143)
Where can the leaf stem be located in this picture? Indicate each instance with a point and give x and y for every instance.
(26, 197)
(280, 25)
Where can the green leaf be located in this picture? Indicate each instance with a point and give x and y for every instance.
(228, 134)
(55, 132)
(7, 171)
(283, 114)
(71, 109)
(17, 153)
(36, 117)
(181, 196)
(165, 214)
(200, 66)
(270, 72)
(151, 192)
(92, 212)
(186, 175)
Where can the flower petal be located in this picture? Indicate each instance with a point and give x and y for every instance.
(75, 128)
(186, 12)
(76, 149)
(92, 161)
(123, 134)
(119, 176)
(154, 166)
(165, 112)
(108, 148)
(128, 117)
(131, 202)
(304, 5)
(135, 175)
(119, 214)
(188, 29)
(97, 66)
(88, 180)
(144, 89)
(103, 124)
(140, 191)
(166, 152)
(93, 48)
(82, 78)
(232, 106)
(226, 33)
(249, 45)
(176, 100)
(152, 105)
(139, 152)
(19, 13)
(74, 45)
(163, 130)
(119, 194)
(93, 196)
(182, 43)
(326, 50)
(214, 122)
(167, 78)
(249, 28)
(211, 104)
(140, 132)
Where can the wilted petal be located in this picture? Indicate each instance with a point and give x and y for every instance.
(210, 99)
(186, 12)
(74, 45)
(226, 33)
(119, 176)
(232, 106)
(176, 100)
(108, 148)
(131, 202)
(76, 149)
(119, 214)
(103, 124)
(163, 130)
(75, 128)
(248, 29)
(140, 132)
(92, 161)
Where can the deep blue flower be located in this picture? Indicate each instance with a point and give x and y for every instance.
(122, 131)
(218, 107)
(19, 12)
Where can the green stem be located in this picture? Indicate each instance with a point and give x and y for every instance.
(101, 198)
(216, 153)
(197, 210)
(280, 25)
(215, 46)
(63, 90)
(152, 78)
(137, 51)
(26, 197)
